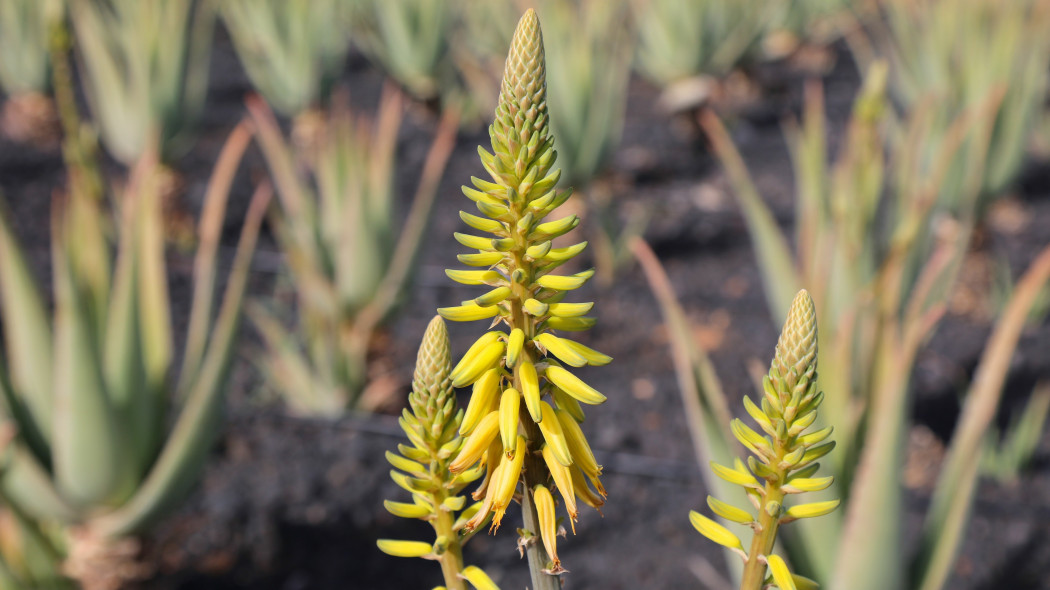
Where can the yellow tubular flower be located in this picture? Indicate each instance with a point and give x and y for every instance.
(548, 523)
(515, 263)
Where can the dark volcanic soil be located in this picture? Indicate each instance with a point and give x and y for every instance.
(290, 503)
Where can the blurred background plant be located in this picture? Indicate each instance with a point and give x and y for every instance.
(873, 317)
(144, 66)
(1008, 452)
(968, 55)
(587, 96)
(292, 50)
(29, 113)
(479, 49)
(409, 39)
(350, 263)
(685, 46)
(793, 24)
(87, 391)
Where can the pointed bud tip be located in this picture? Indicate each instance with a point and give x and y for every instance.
(797, 345)
(433, 364)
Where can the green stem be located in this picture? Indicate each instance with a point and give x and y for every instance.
(762, 542)
(768, 521)
(535, 473)
(452, 559)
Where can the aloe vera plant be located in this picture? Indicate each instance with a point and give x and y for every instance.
(88, 387)
(25, 31)
(792, 23)
(145, 69)
(349, 261)
(1006, 459)
(520, 437)
(966, 55)
(874, 316)
(409, 39)
(293, 50)
(681, 39)
(785, 456)
(587, 92)
(432, 426)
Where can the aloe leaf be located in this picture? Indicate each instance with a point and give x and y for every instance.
(153, 280)
(288, 369)
(27, 335)
(208, 244)
(32, 488)
(1022, 440)
(40, 561)
(707, 411)
(86, 441)
(869, 552)
(949, 511)
(190, 439)
(412, 233)
(124, 365)
(771, 247)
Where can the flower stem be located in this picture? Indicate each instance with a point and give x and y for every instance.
(535, 473)
(452, 559)
(762, 542)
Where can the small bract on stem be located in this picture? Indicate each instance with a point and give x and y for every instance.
(523, 418)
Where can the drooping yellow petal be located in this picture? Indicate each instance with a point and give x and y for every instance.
(508, 419)
(514, 345)
(714, 531)
(476, 443)
(404, 548)
(530, 390)
(574, 386)
(553, 435)
(728, 511)
(481, 400)
(548, 522)
(471, 368)
(478, 578)
(781, 574)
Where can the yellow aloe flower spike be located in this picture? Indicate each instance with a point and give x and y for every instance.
(435, 468)
(784, 455)
(516, 264)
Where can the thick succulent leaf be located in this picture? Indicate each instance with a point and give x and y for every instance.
(30, 486)
(289, 370)
(27, 334)
(124, 364)
(187, 445)
(949, 512)
(89, 464)
(152, 280)
(210, 233)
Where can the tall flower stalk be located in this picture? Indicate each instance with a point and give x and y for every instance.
(422, 468)
(523, 417)
(785, 455)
